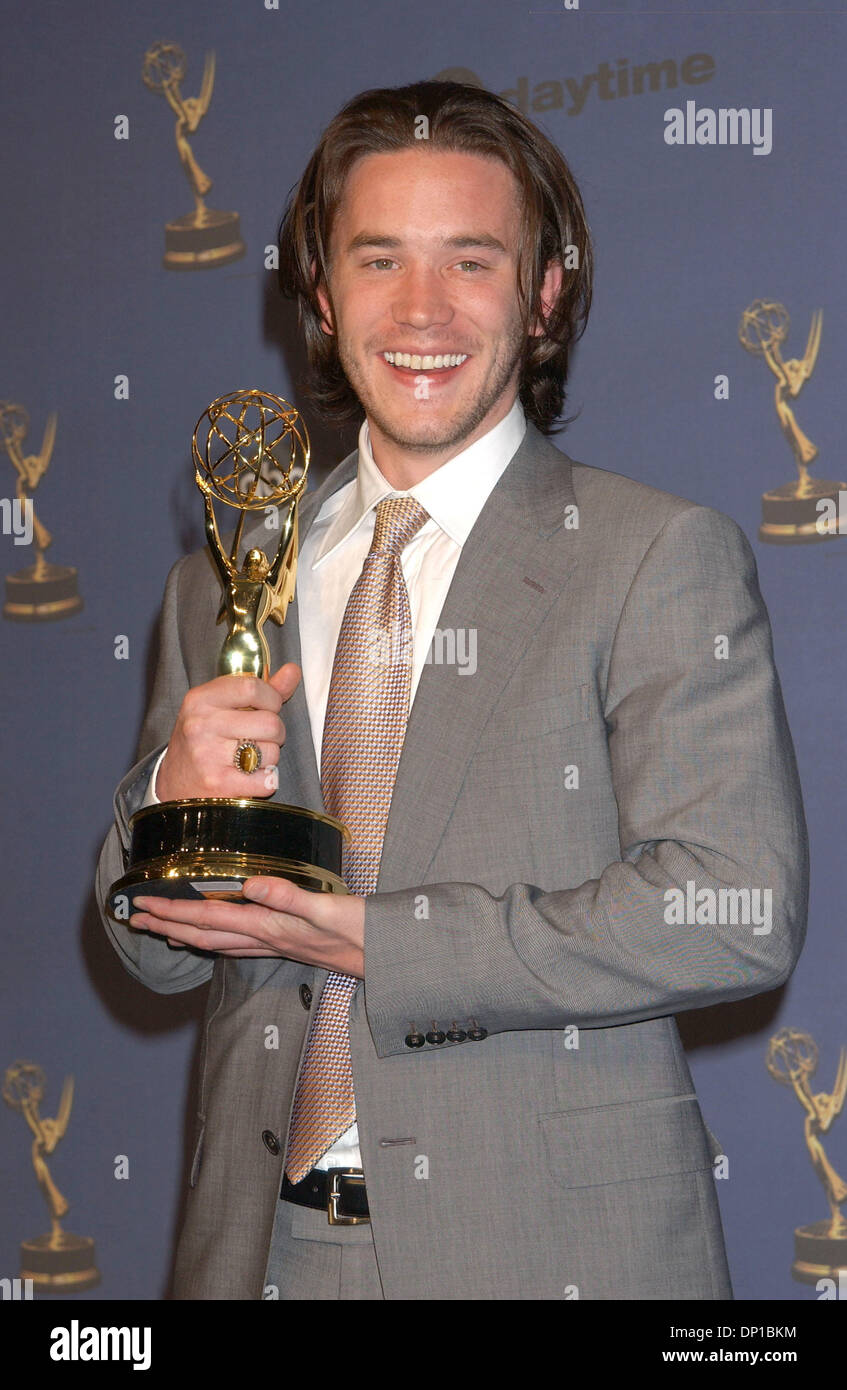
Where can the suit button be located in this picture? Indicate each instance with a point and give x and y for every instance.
(455, 1034)
(415, 1039)
(476, 1034)
(435, 1036)
(305, 996)
(270, 1141)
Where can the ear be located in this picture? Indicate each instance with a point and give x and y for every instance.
(549, 293)
(325, 306)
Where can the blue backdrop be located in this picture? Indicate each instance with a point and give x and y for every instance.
(686, 237)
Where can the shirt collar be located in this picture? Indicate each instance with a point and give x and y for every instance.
(453, 495)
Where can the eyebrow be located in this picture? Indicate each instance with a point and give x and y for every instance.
(461, 242)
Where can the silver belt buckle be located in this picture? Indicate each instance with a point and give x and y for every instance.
(334, 1216)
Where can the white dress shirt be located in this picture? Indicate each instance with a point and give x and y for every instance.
(332, 557)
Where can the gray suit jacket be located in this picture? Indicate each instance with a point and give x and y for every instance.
(566, 1150)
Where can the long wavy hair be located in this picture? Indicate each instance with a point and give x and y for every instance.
(464, 118)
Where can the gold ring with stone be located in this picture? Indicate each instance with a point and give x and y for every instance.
(248, 756)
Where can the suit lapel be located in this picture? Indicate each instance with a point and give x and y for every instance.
(506, 579)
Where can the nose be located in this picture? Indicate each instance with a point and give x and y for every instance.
(422, 299)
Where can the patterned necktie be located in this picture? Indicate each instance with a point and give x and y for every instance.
(366, 715)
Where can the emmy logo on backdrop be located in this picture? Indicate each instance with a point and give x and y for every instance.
(820, 1250)
(251, 453)
(204, 237)
(790, 513)
(58, 1262)
(41, 591)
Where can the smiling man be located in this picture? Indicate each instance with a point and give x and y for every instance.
(426, 317)
(463, 1079)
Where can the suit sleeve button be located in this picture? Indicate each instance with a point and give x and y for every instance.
(305, 996)
(476, 1034)
(435, 1035)
(270, 1141)
(414, 1038)
(455, 1034)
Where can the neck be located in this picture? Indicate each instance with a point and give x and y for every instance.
(403, 466)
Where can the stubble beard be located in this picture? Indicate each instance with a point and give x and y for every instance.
(431, 436)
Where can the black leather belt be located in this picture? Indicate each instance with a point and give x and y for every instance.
(340, 1192)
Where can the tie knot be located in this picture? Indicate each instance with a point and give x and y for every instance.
(397, 521)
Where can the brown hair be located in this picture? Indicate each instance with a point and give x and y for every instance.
(466, 118)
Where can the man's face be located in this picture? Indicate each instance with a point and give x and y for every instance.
(423, 263)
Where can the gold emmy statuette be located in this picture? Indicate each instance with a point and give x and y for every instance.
(204, 237)
(820, 1250)
(58, 1262)
(790, 514)
(41, 591)
(247, 448)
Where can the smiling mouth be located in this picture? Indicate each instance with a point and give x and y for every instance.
(415, 362)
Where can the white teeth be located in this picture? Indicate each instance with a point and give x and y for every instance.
(426, 363)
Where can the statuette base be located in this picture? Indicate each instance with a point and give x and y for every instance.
(36, 600)
(59, 1264)
(176, 850)
(819, 1255)
(789, 519)
(192, 244)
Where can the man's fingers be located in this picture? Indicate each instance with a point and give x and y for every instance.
(240, 692)
(221, 777)
(186, 916)
(222, 943)
(261, 725)
(281, 895)
(286, 680)
(262, 781)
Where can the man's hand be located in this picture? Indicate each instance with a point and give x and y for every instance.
(326, 929)
(213, 719)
